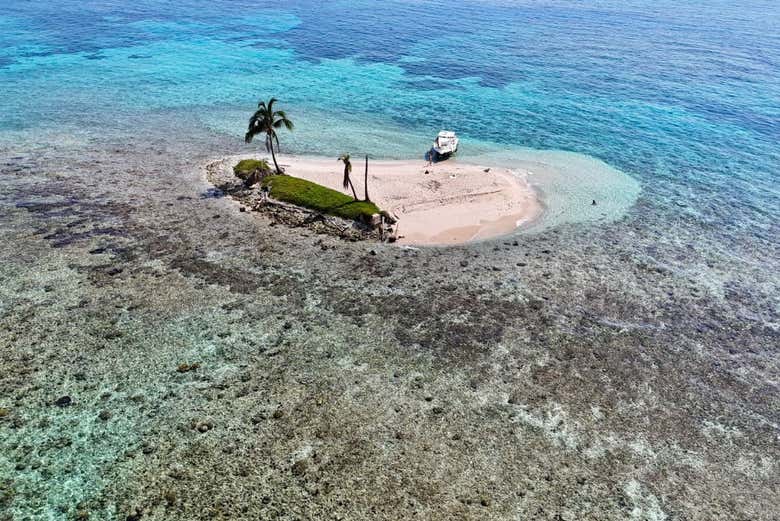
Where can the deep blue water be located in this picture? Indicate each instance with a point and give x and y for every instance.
(685, 96)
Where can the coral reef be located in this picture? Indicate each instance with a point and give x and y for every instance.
(617, 371)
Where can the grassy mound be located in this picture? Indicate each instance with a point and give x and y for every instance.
(247, 167)
(317, 197)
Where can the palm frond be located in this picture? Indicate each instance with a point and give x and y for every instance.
(266, 120)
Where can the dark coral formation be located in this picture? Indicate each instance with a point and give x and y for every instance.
(591, 372)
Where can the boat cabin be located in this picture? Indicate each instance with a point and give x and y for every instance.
(445, 144)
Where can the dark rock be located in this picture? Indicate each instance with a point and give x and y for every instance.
(112, 334)
(63, 401)
(170, 497)
(114, 271)
(186, 368)
(204, 426)
(105, 415)
(62, 442)
(464, 263)
(299, 467)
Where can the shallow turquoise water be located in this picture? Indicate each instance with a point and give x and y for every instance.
(680, 97)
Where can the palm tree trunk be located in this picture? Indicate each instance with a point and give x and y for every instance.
(273, 155)
(365, 181)
(354, 193)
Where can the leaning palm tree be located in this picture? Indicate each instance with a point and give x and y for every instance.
(266, 121)
(347, 170)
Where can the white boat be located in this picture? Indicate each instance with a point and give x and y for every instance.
(446, 143)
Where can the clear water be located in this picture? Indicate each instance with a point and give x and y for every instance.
(684, 98)
(678, 99)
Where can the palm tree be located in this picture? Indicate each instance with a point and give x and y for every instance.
(347, 170)
(365, 182)
(265, 121)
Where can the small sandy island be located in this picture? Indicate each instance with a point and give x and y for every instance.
(452, 203)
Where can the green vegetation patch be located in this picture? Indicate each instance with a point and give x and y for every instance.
(317, 197)
(247, 167)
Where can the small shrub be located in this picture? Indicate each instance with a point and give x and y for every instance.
(251, 171)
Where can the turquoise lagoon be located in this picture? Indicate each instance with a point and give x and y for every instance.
(668, 114)
(673, 97)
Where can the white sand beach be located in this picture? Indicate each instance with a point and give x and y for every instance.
(452, 203)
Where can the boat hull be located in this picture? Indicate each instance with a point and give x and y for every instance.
(445, 145)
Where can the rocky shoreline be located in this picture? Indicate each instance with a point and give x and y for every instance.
(219, 173)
